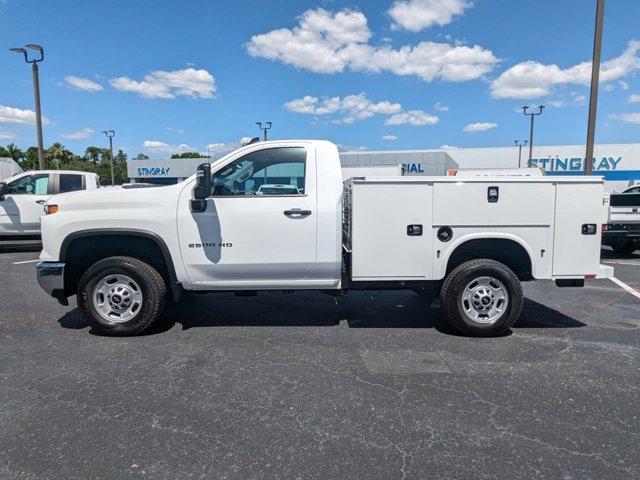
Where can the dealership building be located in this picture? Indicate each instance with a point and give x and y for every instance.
(618, 163)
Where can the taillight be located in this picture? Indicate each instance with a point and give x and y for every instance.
(605, 227)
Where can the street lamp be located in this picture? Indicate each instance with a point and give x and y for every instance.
(533, 115)
(110, 134)
(520, 145)
(595, 79)
(265, 128)
(36, 93)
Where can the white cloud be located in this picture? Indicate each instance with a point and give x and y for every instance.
(78, 135)
(441, 107)
(623, 85)
(609, 87)
(156, 146)
(415, 118)
(450, 147)
(414, 15)
(533, 79)
(634, 98)
(390, 137)
(326, 42)
(627, 117)
(85, 84)
(479, 127)
(17, 115)
(579, 99)
(350, 108)
(350, 148)
(161, 84)
(7, 135)
(553, 103)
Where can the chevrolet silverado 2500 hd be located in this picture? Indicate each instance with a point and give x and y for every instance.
(475, 238)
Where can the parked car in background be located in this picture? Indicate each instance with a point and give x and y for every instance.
(277, 189)
(22, 197)
(622, 230)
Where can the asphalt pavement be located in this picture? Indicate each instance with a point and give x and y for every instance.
(304, 385)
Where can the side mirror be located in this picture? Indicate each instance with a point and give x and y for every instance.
(202, 190)
(3, 190)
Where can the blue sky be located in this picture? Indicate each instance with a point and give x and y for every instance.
(170, 76)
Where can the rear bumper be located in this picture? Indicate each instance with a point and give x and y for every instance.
(617, 232)
(604, 271)
(51, 279)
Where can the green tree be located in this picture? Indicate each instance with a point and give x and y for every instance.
(12, 151)
(95, 154)
(30, 160)
(57, 155)
(141, 156)
(189, 155)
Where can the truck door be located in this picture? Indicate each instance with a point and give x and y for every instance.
(259, 228)
(22, 207)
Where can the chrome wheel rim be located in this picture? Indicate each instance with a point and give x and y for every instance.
(117, 298)
(484, 300)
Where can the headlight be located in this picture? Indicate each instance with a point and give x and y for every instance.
(49, 209)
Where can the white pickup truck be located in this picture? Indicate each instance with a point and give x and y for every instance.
(23, 196)
(475, 238)
(622, 230)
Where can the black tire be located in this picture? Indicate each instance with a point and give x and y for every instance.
(151, 285)
(451, 297)
(624, 248)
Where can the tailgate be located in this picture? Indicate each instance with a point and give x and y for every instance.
(624, 208)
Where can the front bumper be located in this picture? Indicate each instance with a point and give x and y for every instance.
(51, 279)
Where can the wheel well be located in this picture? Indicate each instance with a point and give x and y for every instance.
(80, 253)
(508, 252)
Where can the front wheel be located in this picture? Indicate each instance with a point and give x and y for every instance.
(121, 296)
(482, 298)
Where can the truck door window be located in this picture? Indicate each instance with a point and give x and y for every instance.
(268, 172)
(70, 182)
(30, 185)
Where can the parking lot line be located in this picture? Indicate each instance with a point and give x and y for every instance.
(636, 264)
(25, 261)
(626, 287)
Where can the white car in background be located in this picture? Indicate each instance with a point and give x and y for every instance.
(22, 197)
(277, 189)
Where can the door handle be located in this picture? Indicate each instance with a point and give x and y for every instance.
(297, 211)
(40, 202)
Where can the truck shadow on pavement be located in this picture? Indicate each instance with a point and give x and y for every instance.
(13, 246)
(395, 311)
(608, 254)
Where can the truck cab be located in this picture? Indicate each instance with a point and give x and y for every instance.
(23, 196)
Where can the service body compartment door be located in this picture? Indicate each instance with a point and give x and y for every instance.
(391, 231)
(578, 205)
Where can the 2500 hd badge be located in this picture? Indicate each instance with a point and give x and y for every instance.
(210, 244)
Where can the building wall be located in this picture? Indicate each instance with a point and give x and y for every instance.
(619, 164)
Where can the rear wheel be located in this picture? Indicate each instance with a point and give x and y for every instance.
(121, 296)
(482, 298)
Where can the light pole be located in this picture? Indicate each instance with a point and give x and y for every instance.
(36, 93)
(110, 134)
(595, 79)
(533, 115)
(520, 145)
(265, 128)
